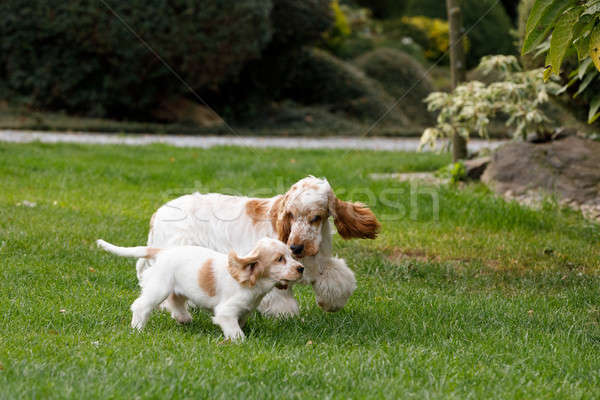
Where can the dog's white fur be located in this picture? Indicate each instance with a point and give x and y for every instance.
(299, 216)
(236, 285)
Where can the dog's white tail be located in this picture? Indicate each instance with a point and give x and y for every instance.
(134, 252)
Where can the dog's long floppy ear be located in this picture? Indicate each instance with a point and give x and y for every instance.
(245, 270)
(280, 219)
(353, 220)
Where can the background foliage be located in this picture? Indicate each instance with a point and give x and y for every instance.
(78, 57)
(247, 58)
(574, 28)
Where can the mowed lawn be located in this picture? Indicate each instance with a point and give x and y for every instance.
(482, 299)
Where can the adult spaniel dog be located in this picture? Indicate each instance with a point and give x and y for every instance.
(299, 218)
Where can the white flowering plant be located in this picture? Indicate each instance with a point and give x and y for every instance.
(470, 107)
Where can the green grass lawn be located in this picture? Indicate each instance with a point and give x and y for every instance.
(483, 300)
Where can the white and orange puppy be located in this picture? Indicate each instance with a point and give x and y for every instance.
(229, 286)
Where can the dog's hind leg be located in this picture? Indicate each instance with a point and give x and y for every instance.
(154, 292)
(177, 305)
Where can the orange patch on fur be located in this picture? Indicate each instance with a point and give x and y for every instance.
(309, 185)
(152, 252)
(257, 210)
(281, 221)
(239, 268)
(177, 300)
(206, 278)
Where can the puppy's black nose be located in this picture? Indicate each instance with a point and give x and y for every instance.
(297, 248)
(300, 269)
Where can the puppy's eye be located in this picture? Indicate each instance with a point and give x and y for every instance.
(281, 259)
(317, 218)
(291, 215)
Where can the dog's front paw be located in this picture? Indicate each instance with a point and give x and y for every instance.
(334, 285)
(137, 323)
(235, 336)
(279, 304)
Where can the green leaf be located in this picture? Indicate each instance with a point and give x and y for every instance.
(592, 7)
(581, 33)
(561, 39)
(535, 15)
(593, 114)
(582, 45)
(583, 67)
(595, 46)
(541, 18)
(586, 82)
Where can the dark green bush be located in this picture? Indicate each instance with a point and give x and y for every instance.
(320, 78)
(77, 56)
(385, 8)
(487, 35)
(261, 82)
(403, 77)
(296, 23)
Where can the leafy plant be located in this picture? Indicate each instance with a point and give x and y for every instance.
(340, 30)
(485, 22)
(436, 31)
(471, 106)
(454, 172)
(574, 27)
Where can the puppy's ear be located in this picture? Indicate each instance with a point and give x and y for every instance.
(280, 219)
(354, 220)
(245, 270)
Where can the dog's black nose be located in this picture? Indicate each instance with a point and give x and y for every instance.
(300, 269)
(297, 248)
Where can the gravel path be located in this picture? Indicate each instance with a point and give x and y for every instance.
(378, 144)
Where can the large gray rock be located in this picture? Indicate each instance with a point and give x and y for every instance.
(569, 168)
(474, 168)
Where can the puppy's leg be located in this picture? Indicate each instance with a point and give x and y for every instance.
(334, 285)
(178, 306)
(230, 327)
(279, 303)
(153, 293)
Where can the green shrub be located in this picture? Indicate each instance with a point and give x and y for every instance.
(77, 56)
(489, 35)
(385, 8)
(321, 78)
(403, 77)
(436, 32)
(354, 47)
(262, 81)
(340, 31)
(453, 172)
(296, 23)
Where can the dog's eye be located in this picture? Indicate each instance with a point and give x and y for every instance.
(291, 215)
(316, 219)
(281, 259)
